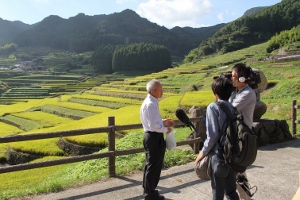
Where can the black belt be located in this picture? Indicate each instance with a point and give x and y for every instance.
(151, 132)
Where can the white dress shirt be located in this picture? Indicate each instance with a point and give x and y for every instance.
(150, 116)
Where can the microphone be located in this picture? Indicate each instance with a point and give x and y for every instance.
(180, 114)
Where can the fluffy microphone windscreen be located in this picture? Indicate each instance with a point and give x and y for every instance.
(180, 114)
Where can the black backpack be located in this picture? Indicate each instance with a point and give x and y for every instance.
(240, 146)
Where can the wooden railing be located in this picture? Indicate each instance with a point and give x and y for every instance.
(111, 154)
(294, 116)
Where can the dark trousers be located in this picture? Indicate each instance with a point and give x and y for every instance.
(155, 147)
(225, 185)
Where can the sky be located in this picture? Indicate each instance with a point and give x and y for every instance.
(167, 13)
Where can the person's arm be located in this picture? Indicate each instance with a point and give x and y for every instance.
(199, 157)
(212, 130)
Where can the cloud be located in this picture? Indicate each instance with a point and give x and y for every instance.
(221, 17)
(175, 12)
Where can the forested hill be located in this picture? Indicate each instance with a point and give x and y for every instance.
(250, 30)
(84, 33)
(9, 30)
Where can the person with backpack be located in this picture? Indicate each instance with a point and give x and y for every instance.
(223, 179)
(243, 98)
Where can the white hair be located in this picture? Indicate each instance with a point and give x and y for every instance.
(151, 85)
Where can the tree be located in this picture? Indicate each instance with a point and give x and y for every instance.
(102, 59)
(8, 49)
(141, 56)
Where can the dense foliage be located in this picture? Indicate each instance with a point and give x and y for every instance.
(102, 59)
(138, 56)
(283, 39)
(250, 30)
(141, 56)
(8, 49)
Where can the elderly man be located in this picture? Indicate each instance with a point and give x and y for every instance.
(154, 143)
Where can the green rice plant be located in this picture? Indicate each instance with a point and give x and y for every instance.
(98, 140)
(3, 150)
(118, 93)
(97, 103)
(109, 99)
(21, 123)
(45, 147)
(123, 116)
(81, 106)
(197, 98)
(51, 77)
(65, 112)
(168, 106)
(7, 130)
(23, 106)
(44, 119)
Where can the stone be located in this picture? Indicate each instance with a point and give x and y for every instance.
(259, 110)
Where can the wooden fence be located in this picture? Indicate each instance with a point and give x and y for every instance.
(294, 116)
(111, 154)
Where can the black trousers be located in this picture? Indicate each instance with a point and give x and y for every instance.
(155, 148)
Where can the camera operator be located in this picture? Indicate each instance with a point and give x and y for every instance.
(244, 99)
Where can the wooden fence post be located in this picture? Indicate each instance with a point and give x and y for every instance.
(294, 116)
(111, 148)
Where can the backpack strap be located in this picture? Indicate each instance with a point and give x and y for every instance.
(226, 110)
(231, 117)
(223, 128)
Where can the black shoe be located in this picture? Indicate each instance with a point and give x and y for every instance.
(155, 196)
(160, 197)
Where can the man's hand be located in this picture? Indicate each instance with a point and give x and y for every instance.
(199, 157)
(169, 123)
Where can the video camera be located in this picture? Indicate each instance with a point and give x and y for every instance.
(253, 81)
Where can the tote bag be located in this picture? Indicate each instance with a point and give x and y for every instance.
(170, 140)
(203, 168)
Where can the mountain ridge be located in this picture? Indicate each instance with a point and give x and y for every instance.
(82, 32)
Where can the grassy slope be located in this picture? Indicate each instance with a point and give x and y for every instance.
(285, 76)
